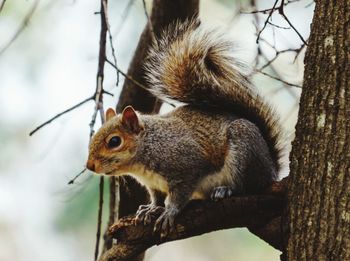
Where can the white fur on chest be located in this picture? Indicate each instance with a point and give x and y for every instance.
(149, 178)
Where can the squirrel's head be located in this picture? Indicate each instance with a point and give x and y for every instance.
(114, 145)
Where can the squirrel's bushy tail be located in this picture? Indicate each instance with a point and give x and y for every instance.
(195, 66)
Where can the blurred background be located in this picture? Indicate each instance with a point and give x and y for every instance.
(51, 66)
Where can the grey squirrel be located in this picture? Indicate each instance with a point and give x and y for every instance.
(223, 141)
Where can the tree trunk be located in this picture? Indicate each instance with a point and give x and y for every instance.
(319, 189)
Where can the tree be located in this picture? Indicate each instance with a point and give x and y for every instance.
(319, 195)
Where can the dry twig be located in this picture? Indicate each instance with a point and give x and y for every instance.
(99, 108)
(60, 114)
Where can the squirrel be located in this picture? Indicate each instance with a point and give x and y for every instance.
(223, 140)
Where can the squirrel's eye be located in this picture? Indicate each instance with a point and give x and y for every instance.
(114, 142)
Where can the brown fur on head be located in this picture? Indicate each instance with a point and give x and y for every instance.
(114, 145)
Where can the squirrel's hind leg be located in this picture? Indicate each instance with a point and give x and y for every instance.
(248, 159)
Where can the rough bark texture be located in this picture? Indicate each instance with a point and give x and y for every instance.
(260, 213)
(319, 195)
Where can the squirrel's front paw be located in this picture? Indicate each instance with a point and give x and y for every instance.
(146, 213)
(166, 222)
(223, 192)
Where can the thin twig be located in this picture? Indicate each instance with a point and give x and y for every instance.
(66, 111)
(60, 114)
(280, 9)
(256, 24)
(298, 51)
(128, 77)
(281, 12)
(278, 26)
(268, 10)
(266, 21)
(280, 80)
(99, 108)
(98, 104)
(110, 38)
(275, 57)
(24, 23)
(278, 77)
(310, 4)
(77, 176)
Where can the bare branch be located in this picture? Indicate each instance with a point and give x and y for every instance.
(201, 217)
(266, 21)
(60, 114)
(23, 25)
(128, 77)
(278, 53)
(278, 26)
(110, 38)
(268, 10)
(99, 107)
(77, 176)
(280, 80)
(281, 12)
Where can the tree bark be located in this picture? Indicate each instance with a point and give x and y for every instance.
(319, 190)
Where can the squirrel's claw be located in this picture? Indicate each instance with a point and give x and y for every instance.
(165, 224)
(146, 213)
(223, 192)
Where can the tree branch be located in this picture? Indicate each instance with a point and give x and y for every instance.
(260, 213)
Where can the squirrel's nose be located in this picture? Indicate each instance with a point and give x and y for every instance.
(90, 165)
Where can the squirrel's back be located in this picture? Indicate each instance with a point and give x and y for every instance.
(195, 66)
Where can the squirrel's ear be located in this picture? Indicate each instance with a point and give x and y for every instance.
(131, 120)
(110, 113)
